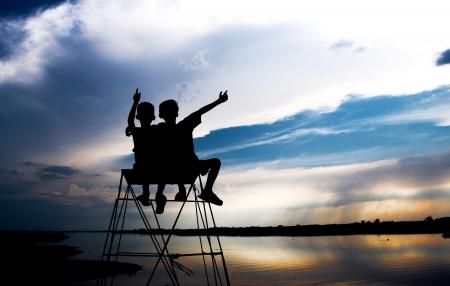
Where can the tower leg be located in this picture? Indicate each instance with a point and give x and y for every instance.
(166, 242)
(160, 243)
(118, 219)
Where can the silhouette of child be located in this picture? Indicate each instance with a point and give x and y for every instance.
(143, 138)
(179, 148)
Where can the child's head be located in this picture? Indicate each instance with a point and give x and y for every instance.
(168, 110)
(145, 113)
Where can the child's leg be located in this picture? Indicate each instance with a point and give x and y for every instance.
(160, 189)
(181, 188)
(214, 166)
(146, 190)
(160, 199)
(181, 195)
(144, 198)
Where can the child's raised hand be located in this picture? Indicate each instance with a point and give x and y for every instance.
(137, 95)
(223, 96)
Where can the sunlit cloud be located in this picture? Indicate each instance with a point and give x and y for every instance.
(108, 194)
(390, 190)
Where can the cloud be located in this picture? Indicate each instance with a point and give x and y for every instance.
(347, 45)
(198, 62)
(57, 172)
(12, 35)
(360, 49)
(30, 163)
(359, 130)
(35, 40)
(89, 56)
(36, 192)
(67, 74)
(60, 170)
(375, 128)
(95, 192)
(444, 58)
(14, 172)
(342, 44)
(389, 189)
(31, 173)
(420, 177)
(102, 92)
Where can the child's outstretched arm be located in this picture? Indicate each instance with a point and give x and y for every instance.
(222, 98)
(132, 114)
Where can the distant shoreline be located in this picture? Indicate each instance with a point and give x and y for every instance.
(441, 225)
(428, 226)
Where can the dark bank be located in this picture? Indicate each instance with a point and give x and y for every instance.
(39, 258)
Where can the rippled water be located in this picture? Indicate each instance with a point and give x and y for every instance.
(330, 260)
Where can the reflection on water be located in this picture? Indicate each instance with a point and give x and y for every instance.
(359, 259)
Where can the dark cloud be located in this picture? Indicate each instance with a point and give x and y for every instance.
(425, 170)
(444, 58)
(360, 49)
(11, 34)
(14, 172)
(57, 172)
(420, 172)
(16, 8)
(77, 100)
(51, 176)
(39, 196)
(61, 170)
(30, 164)
(342, 44)
(347, 45)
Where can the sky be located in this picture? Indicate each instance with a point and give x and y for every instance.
(338, 111)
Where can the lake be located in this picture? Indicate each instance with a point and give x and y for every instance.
(327, 260)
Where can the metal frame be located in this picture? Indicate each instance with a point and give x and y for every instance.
(111, 248)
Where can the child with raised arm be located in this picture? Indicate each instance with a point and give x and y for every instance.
(180, 145)
(143, 138)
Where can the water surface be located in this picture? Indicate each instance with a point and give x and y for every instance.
(329, 260)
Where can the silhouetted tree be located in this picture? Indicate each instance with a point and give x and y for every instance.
(428, 218)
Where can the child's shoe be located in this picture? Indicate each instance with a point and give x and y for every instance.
(145, 201)
(210, 197)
